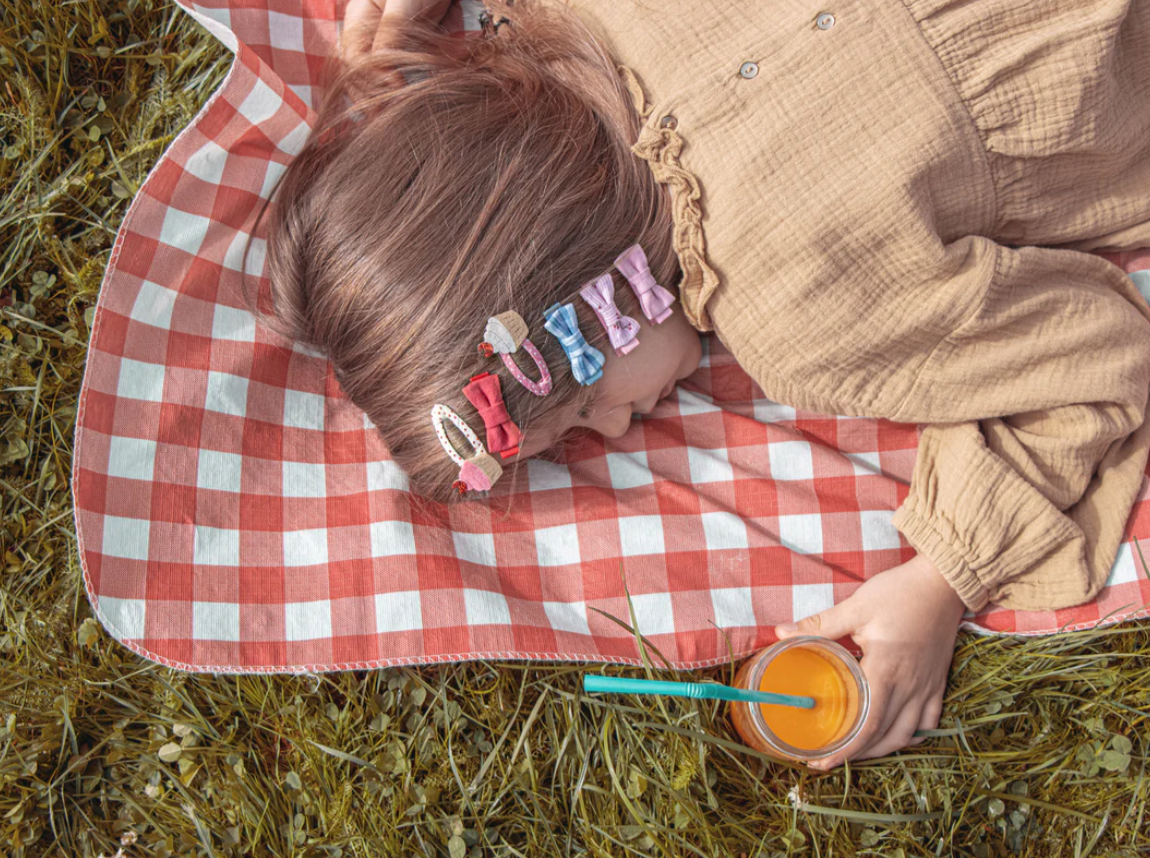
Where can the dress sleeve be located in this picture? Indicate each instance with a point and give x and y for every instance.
(1030, 367)
(1037, 438)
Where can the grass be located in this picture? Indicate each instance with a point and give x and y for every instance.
(1042, 748)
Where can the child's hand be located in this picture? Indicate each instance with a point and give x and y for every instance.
(364, 21)
(905, 621)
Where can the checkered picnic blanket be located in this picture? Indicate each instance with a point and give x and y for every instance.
(236, 513)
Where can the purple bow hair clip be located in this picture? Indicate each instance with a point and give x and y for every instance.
(622, 331)
(653, 298)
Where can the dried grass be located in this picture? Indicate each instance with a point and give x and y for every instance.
(1042, 751)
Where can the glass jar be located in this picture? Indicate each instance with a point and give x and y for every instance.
(810, 666)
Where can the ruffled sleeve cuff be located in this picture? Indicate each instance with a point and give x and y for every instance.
(948, 559)
(983, 526)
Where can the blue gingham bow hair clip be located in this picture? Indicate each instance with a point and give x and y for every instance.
(586, 361)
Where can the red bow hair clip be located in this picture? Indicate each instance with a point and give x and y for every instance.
(486, 394)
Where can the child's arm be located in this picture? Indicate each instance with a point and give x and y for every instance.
(1030, 367)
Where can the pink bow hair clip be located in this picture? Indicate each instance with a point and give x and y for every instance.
(653, 298)
(622, 331)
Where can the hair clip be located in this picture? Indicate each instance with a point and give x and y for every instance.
(485, 393)
(586, 360)
(478, 473)
(622, 331)
(486, 22)
(653, 298)
(504, 335)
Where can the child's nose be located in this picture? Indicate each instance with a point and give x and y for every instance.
(616, 424)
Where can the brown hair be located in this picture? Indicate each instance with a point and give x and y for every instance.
(448, 180)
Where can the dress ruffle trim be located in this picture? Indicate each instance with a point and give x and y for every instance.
(660, 148)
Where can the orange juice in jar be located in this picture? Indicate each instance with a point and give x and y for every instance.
(811, 667)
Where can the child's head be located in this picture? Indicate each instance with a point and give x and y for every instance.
(447, 181)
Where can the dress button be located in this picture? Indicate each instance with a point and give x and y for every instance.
(668, 122)
(825, 21)
(749, 70)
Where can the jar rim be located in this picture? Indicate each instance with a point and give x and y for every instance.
(759, 723)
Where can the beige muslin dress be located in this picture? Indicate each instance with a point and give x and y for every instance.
(881, 208)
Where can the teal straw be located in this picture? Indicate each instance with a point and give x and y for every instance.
(698, 690)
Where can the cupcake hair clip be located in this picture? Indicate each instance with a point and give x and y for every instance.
(504, 335)
(477, 473)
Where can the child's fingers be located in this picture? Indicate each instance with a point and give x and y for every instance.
(360, 21)
(365, 21)
(835, 622)
(899, 735)
(360, 13)
(916, 714)
(399, 11)
(881, 691)
(433, 10)
(883, 670)
(931, 712)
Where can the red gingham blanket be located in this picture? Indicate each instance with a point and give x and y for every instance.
(236, 513)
